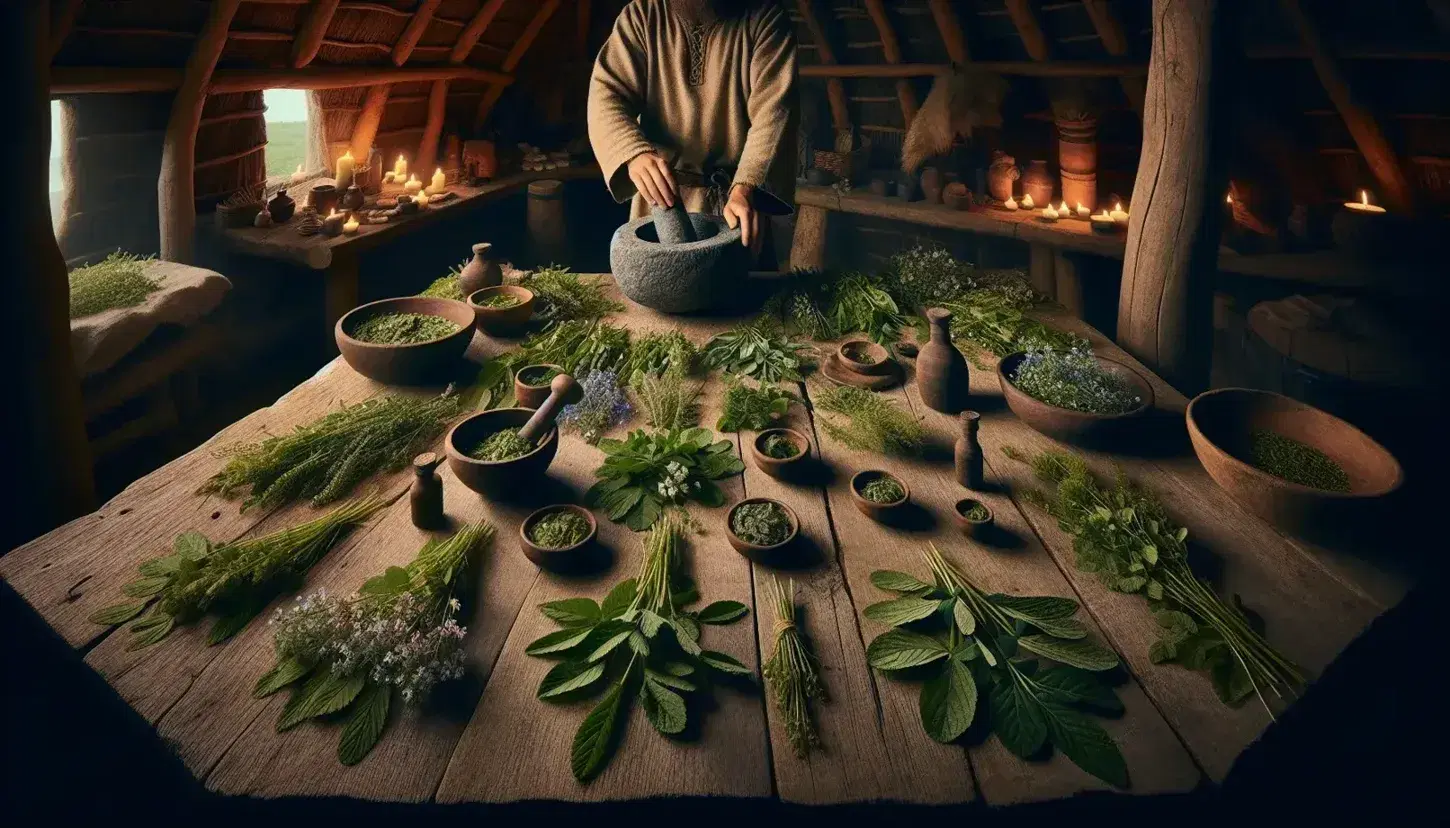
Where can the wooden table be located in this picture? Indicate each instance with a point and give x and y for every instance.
(489, 739)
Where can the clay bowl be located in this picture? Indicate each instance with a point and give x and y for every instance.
(1065, 424)
(880, 512)
(502, 320)
(416, 364)
(864, 357)
(1221, 423)
(505, 478)
(956, 196)
(972, 528)
(777, 467)
(566, 557)
(755, 552)
(532, 396)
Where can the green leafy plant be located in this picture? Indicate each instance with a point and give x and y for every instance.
(559, 529)
(1125, 536)
(563, 296)
(750, 408)
(446, 287)
(965, 642)
(325, 459)
(120, 281)
(403, 329)
(656, 354)
(763, 523)
(994, 319)
(866, 421)
(760, 349)
(793, 672)
(669, 400)
(579, 346)
(641, 643)
(824, 306)
(925, 277)
(233, 581)
(646, 473)
(397, 634)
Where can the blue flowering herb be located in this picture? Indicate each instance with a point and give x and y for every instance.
(603, 406)
(1075, 379)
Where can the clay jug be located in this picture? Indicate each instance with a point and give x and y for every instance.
(281, 207)
(932, 182)
(1001, 175)
(941, 371)
(1037, 182)
(480, 272)
(968, 452)
(425, 500)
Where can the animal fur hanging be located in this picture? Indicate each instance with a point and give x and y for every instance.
(959, 101)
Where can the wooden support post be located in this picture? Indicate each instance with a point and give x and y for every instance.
(1363, 128)
(1040, 272)
(311, 32)
(1069, 283)
(1165, 308)
(1024, 17)
(891, 48)
(1115, 43)
(432, 130)
(63, 15)
(413, 32)
(582, 13)
(341, 291)
(176, 188)
(45, 447)
(835, 88)
(511, 60)
(365, 128)
(950, 29)
(808, 247)
(468, 38)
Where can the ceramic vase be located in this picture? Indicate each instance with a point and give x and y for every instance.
(941, 371)
(281, 207)
(968, 452)
(1001, 175)
(1078, 159)
(1037, 182)
(481, 271)
(932, 182)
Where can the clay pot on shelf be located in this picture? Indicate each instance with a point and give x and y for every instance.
(1078, 161)
(755, 552)
(481, 271)
(780, 467)
(324, 199)
(1001, 175)
(941, 371)
(415, 364)
(502, 321)
(864, 357)
(532, 396)
(907, 189)
(1037, 182)
(282, 207)
(879, 512)
(1065, 424)
(556, 558)
(352, 197)
(975, 528)
(932, 183)
(956, 196)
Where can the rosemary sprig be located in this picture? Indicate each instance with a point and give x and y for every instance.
(792, 672)
(866, 421)
(563, 296)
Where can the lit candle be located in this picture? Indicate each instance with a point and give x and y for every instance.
(1363, 205)
(388, 177)
(439, 182)
(1027, 202)
(332, 224)
(1103, 222)
(400, 169)
(1049, 213)
(350, 226)
(1083, 212)
(344, 170)
(413, 186)
(1009, 204)
(299, 176)
(420, 198)
(1119, 214)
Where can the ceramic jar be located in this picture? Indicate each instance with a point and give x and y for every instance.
(481, 271)
(281, 207)
(1001, 174)
(1078, 158)
(352, 198)
(1037, 182)
(968, 452)
(941, 370)
(932, 182)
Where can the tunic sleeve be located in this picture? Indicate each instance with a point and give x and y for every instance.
(772, 96)
(616, 96)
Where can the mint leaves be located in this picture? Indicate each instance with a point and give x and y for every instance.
(646, 473)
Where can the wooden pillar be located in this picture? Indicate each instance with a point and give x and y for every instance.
(313, 29)
(1069, 283)
(176, 188)
(45, 449)
(1165, 307)
(432, 130)
(808, 247)
(1040, 270)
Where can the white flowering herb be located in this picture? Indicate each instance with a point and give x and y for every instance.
(648, 472)
(1074, 379)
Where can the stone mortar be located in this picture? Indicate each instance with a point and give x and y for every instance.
(679, 278)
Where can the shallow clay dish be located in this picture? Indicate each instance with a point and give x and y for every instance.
(774, 466)
(971, 528)
(755, 552)
(880, 512)
(864, 357)
(503, 478)
(502, 320)
(1065, 424)
(532, 396)
(1221, 424)
(415, 364)
(564, 557)
(837, 370)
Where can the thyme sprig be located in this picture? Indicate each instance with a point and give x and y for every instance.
(866, 421)
(793, 672)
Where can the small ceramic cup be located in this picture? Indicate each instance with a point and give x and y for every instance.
(880, 512)
(564, 557)
(780, 467)
(864, 357)
(975, 528)
(756, 552)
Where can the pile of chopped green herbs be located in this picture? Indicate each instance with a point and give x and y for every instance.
(561, 295)
(866, 421)
(538, 376)
(325, 459)
(668, 400)
(647, 473)
(750, 408)
(793, 672)
(232, 581)
(446, 287)
(763, 524)
(760, 349)
(120, 281)
(883, 489)
(501, 301)
(1296, 462)
(656, 353)
(1074, 380)
(975, 512)
(925, 277)
(559, 530)
(640, 643)
(403, 329)
(500, 446)
(779, 447)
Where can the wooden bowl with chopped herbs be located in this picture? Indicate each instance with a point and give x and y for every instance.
(973, 517)
(531, 384)
(1074, 396)
(502, 309)
(780, 452)
(486, 454)
(555, 536)
(409, 340)
(879, 495)
(864, 357)
(761, 529)
(1292, 464)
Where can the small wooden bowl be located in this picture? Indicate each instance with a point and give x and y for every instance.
(755, 552)
(532, 396)
(1221, 424)
(774, 466)
(972, 528)
(504, 478)
(1066, 424)
(502, 320)
(415, 364)
(869, 358)
(564, 557)
(880, 512)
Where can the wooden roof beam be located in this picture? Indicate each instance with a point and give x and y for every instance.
(891, 48)
(835, 89)
(76, 80)
(1043, 69)
(1029, 28)
(950, 28)
(516, 54)
(63, 14)
(468, 38)
(1115, 43)
(413, 32)
(311, 32)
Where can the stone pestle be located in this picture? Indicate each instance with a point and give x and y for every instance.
(673, 225)
(538, 425)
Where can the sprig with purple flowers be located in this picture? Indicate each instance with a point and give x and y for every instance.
(1074, 379)
(603, 406)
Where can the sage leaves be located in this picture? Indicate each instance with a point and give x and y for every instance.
(972, 649)
(646, 473)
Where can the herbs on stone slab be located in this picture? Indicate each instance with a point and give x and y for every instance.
(793, 672)
(398, 634)
(866, 421)
(753, 408)
(1074, 380)
(761, 350)
(966, 644)
(646, 473)
(603, 406)
(640, 644)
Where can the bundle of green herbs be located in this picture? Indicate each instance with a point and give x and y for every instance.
(580, 346)
(825, 306)
(760, 349)
(923, 278)
(559, 529)
(504, 444)
(563, 296)
(446, 287)
(325, 459)
(866, 421)
(994, 319)
(399, 634)
(647, 473)
(120, 281)
(668, 399)
(1074, 380)
(641, 643)
(233, 581)
(1125, 536)
(763, 523)
(1291, 460)
(403, 329)
(602, 406)
(965, 642)
(654, 354)
(793, 672)
(753, 408)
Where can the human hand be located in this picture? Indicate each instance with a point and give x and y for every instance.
(652, 177)
(739, 212)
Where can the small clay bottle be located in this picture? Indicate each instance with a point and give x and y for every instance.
(968, 452)
(481, 271)
(941, 371)
(426, 497)
(281, 207)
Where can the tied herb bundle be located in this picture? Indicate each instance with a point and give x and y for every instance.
(669, 400)
(325, 459)
(825, 306)
(793, 672)
(866, 421)
(748, 408)
(966, 642)
(656, 354)
(397, 633)
(639, 644)
(562, 296)
(233, 581)
(1125, 536)
(646, 473)
(760, 349)
(120, 281)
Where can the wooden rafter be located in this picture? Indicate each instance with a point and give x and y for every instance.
(432, 128)
(582, 13)
(312, 31)
(365, 127)
(1363, 128)
(835, 89)
(1029, 28)
(1115, 43)
(953, 37)
(1043, 69)
(63, 15)
(73, 80)
(468, 38)
(413, 32)
(516, 54)
(891, 48)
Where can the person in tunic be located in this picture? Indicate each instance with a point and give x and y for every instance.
(690, 88)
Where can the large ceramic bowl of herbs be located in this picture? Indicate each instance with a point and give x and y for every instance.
(410, 340)
(1075, 395)
(1289, 463)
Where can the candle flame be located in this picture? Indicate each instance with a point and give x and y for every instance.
(333, 214)
(1080, 207)
(347, 155)
(438, 171)
(1118, 206)
(1063, 208)
(400, 158)
(1228, 199)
